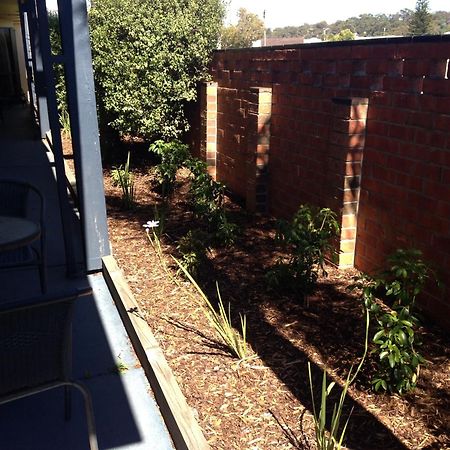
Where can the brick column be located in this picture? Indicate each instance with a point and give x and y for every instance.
(347, 140)
(258, 145)
(208, 145)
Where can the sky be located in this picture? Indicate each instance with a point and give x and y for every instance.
(280, 13)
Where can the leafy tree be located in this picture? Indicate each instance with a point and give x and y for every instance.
(421, 19)
(148, 57)
(440, 22)
(343, 35)
(248, 29)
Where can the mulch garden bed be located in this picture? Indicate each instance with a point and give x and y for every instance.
(265, 403)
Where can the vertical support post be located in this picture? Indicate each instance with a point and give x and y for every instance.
(84, 128)
(258, 135)
(345, 163)
(38, 69)
(208, 147)
(48, 79)
(24, 26)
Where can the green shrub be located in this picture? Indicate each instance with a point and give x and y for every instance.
(395, 339)
(173, 156)
(149, 56)
(309, 239)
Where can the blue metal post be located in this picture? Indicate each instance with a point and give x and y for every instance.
(84, 127)
(38, 69)
(49, 79)
(26, 49)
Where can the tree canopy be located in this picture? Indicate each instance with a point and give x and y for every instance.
(148, 57)
(420, 22)
(366, 25)
(344, 35)
(248, 29)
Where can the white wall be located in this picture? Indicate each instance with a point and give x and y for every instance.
(9, 18)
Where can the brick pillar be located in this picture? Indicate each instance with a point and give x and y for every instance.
(347, 140)
(258, 135)
(208, 145)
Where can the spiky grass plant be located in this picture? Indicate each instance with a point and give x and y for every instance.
(123, 177)
(64, 121)
(221, 320)
(332, 439)
(153, 235)
(329, 440)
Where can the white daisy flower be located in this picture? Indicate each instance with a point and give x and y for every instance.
(151, 224)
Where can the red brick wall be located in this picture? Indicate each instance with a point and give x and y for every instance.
(405, 182)
(232, 115)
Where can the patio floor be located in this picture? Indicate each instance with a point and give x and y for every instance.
(127, 416)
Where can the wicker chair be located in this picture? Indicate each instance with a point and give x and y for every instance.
(36, 352)
(23, 200)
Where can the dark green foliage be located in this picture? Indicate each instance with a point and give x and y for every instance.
(398, 362)
(308, 239)
(206, 195)
(207, 200)
(406, 277)
(194, 249)
(173, 156)
(420, 22)
(148, 58)
(225, 232)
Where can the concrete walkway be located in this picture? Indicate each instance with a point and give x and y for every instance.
(126, 414)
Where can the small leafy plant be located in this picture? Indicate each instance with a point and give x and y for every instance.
(193, 248)
(207, 200)
(207, 195)
(406, 276)
(395, 339)
(123, 177)
(309, 239)
(226, 231)
(173, 156)
(399, 362)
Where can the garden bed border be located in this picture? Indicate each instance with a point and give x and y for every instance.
(178, 415)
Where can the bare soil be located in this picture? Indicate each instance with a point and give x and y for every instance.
(265, 402)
